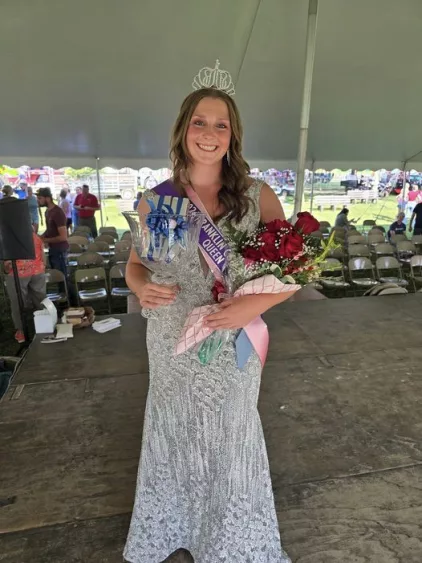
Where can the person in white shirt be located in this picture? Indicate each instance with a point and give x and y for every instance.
(67, 209)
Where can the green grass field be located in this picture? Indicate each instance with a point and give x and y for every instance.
(384, 211)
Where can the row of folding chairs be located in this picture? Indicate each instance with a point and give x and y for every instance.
(403, 250)
(92, 285)
(85, 239)
(110, 232)
(120, 253)
(92, 259)
(77, 246)
(361, 273)
(367, 224)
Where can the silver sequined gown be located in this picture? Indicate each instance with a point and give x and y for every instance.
(204, 481)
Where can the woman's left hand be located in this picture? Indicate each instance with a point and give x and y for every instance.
(235, 313)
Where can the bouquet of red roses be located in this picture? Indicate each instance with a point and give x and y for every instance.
(278, 257)
(289, 252)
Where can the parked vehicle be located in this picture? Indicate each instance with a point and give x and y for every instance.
(284, 190)
(120, 184)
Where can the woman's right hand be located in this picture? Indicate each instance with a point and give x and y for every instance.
(153, 295)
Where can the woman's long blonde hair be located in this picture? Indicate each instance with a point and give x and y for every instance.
(235, 181)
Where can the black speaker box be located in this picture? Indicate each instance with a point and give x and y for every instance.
(16, 233)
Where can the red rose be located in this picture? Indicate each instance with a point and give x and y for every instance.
(290, 245)
(276, 225)
(268, 238)
(250, 253)
(217, 289)
(270, 253)
(268, 250)
(306, 223)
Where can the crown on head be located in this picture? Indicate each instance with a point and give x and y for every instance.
(214, 78)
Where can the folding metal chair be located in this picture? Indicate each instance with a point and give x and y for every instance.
(117, 282)
(386, 267)
(91, 286)
(123, 246)
(332, 275)
(57, 279)
(416, 271)
(361, 272)
(90, 259)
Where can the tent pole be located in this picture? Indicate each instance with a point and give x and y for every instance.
(306, 103)
(97, 160)
(312, 185)
(403, 190)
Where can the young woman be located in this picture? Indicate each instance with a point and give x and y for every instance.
(204, 482)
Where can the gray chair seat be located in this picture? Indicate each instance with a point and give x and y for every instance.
(92, 294)
(333, 283)
(392, 279)
(57, 297)
(365, 282)
(120, 292)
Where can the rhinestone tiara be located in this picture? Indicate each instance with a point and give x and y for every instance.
(214, 78)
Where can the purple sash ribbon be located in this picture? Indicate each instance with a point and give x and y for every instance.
(211, 240)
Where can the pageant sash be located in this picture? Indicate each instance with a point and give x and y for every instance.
(211, 241)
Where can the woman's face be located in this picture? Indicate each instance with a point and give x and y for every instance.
(209, 132)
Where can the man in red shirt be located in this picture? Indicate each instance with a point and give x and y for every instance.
(87, 205)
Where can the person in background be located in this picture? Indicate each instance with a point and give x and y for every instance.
(7, 191)
(34, 210)
(56, 231)
(87, 205)
(398, 227)
(75, 214)
(417, 213)
(32, 281)
(22, 190)
(67, 210)
(401, 202)
(137, 200)
(342, 219)
(412, 195)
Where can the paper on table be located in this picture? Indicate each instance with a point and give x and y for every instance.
(106, 324)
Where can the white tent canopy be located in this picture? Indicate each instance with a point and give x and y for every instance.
(82, 80)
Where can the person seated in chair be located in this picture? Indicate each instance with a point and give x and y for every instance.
(398, 227)
(343, 221)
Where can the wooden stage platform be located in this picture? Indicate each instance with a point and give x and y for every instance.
(341, 405)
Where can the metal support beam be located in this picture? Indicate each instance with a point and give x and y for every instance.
(306, 102)
(97, 161)
(312, 185)
(403, 190)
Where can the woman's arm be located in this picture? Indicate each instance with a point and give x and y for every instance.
(269, 205)
(270, 208)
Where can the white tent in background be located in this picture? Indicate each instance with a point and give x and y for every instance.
(110, 83)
